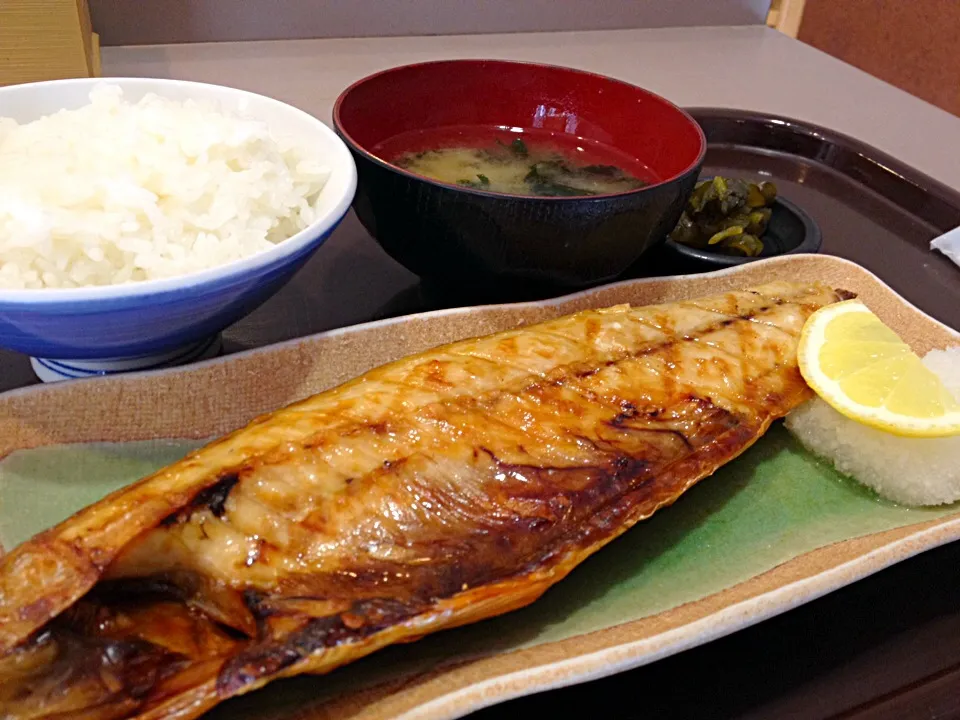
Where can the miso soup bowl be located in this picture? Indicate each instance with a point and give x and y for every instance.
(471, 237)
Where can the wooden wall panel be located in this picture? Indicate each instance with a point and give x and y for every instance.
(913, 44)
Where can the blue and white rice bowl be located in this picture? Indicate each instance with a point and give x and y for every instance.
(94, 330)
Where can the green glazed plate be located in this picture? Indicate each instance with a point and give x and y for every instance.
(775, 528)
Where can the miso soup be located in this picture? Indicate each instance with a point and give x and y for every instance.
(500, 160)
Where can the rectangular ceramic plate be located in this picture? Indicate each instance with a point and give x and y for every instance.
(774, 529)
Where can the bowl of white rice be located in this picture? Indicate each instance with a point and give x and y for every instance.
(140, 217)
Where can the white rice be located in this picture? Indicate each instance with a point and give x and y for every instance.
(910, 471)
(117, 192)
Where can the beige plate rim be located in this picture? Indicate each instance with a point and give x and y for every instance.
(631, 655)
(453, 691)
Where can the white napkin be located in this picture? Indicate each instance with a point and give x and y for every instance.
(948, 244)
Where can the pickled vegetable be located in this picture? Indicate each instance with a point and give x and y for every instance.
(727, 215)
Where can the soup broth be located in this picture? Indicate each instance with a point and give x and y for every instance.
(529, 162)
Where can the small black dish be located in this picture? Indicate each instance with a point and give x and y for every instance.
(790, 231)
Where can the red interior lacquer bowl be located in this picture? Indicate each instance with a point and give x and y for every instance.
(469, 235)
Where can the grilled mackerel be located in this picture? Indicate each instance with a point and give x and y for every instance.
(438, 490)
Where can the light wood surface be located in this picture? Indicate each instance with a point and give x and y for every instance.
(786, 15)
(46, 40)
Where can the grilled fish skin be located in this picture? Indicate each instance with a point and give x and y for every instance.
(435, 491)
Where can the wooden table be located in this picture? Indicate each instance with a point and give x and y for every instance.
(888, 646)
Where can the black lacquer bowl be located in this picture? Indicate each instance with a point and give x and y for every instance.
(461, 235)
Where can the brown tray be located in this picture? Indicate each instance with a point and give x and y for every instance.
(872, 209)
(885, 647)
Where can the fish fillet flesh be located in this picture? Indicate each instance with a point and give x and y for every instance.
(438, 490)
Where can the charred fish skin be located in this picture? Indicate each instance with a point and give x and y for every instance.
(435, 491)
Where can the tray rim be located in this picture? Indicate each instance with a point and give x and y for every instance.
(885, 162)
(756, 605)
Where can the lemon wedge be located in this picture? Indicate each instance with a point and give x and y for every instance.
(865, 371)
